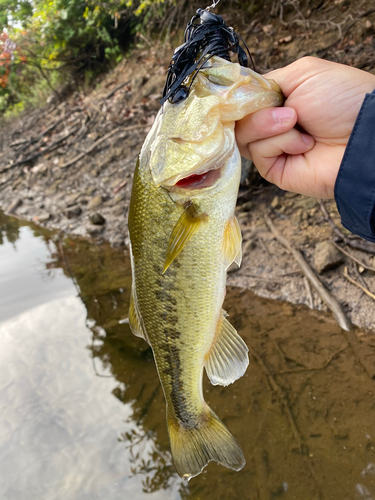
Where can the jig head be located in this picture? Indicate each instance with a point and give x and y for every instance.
(206, 35)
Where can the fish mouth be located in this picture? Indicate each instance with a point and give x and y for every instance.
(199, 181)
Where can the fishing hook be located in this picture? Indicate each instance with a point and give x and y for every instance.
(212, 6)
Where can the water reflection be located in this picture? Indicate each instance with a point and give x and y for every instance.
(83, 414)
(25, 259)
(9, 229)
(61, 427)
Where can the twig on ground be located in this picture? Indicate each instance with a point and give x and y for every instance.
(265, 248)
(99, 141)
(48, 129)
(81, 131)
(8, 167)
(309, 293)
(352, 23)
(330, 301)
(120, 186)
(364, 289)
(358, 275)
(261, 278)
(91, 148)
(359, 262)
(342, 33)
(19, 143)
(40, 153)
(335, 229)
(359, 245)
(97, 109)
(38, 146)
(245, 193)
(113, 92)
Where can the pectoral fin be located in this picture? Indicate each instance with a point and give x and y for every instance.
(135, 320)
(186, 226)
(232, 247)
(228, 358)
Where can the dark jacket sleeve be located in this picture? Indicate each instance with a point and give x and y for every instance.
(355, 183)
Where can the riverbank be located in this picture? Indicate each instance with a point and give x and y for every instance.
(69, 165)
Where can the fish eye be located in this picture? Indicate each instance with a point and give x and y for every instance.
(180, 95)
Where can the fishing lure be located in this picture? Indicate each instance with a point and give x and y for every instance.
(206, 35)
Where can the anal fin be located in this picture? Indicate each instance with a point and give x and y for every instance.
(232, 247)
(135, 320)
(228, 359)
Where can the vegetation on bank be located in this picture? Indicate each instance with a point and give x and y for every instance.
(46, 44)
(43, 43)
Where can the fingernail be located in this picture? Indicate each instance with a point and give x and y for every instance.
(307, 139)
(283, 115)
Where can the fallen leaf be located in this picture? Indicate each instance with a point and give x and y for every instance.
(286, 39)
(267, 28)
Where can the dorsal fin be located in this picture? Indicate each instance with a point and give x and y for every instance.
(232, 246)
(186, 226)
(228, 359)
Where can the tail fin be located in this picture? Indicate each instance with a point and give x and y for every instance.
(209, 439)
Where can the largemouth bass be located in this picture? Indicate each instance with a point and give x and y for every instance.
(184, 236)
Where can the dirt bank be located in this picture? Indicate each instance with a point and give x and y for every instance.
(69, 165)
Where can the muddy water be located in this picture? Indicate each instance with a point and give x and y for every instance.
(82, 415)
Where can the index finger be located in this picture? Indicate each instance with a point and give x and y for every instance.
(265, 123)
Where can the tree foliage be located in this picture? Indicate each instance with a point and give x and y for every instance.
(73, 36)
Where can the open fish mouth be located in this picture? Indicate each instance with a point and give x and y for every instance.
(199, 181)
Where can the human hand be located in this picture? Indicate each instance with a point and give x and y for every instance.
(323, 98)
